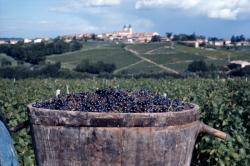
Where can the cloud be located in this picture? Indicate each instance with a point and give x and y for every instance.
(98, 3)
(74, 25)
(143, 24)
(166, 3)
(222, 9)
(104, 15)
(78, 5)
(42, 22)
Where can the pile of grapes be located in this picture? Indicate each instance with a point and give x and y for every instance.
(114, 100)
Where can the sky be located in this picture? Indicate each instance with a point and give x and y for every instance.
(50, 18)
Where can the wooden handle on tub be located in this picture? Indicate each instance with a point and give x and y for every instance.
(217, 133)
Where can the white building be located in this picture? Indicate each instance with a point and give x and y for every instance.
(218, 43)
(38, 40)
(13, 41)
(227, 42)
(194, 43)
(100, 36)
(46, 39)
(3, 42)
(242, 43)
(143, 37)
(241, 63)
(165, 39)
(127, 35)
(197, 44)
(67, 40)
(27, 40)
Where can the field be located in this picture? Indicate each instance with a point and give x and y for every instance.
(106, 53)
(148, 58)
(224, 104)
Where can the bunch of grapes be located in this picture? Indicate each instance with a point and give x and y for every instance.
(114, 100)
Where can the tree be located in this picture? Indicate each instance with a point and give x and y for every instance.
(239, 38)
(36, 53)
(156, 38)
(51, 70)
(233, 39)
(233, 66)
(239, 72)
(93, 36)
(197, 66)
(242, 38)
(169, 34)
(5, 62)
(192, 37)
(212, 67)
(95, 68)
(213, 39)
(75, 45)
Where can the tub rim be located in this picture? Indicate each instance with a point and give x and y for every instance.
(50, 117)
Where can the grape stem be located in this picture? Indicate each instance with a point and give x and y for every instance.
(170, 107)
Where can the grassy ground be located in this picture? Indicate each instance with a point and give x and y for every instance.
(204, 52)
(143, 48)
(143, 67)
(174, 56)
(109, 54)
(242, 54)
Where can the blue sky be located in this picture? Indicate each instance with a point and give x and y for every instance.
(33, 18)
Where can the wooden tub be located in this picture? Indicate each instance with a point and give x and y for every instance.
(101, 139)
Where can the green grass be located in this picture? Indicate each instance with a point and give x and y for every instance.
(164, 50)
(218, 53)
(143, 48)
(108, 54)
(174, 56)
(242, 54)
(143, 67)
(86, 46)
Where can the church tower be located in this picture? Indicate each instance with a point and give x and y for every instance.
(125, 28)
(130, 29)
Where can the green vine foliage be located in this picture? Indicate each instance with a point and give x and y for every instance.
(224, 105)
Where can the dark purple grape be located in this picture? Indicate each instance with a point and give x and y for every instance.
(114, 100)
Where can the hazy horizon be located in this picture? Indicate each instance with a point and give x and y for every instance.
(50, 18)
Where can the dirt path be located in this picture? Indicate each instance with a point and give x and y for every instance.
(151, 51)
(180, 62)
(199, 54)
(150, 61)
(126, 67)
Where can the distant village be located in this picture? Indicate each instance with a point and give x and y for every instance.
(128, 36)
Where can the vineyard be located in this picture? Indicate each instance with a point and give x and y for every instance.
(173, 56)
(224, 105)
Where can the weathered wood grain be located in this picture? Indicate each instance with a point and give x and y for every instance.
(47, 117)
(114, 139)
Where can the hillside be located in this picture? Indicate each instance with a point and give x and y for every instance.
(147, 58)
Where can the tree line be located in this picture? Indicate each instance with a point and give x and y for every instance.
(37, 52)
(95, 68)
